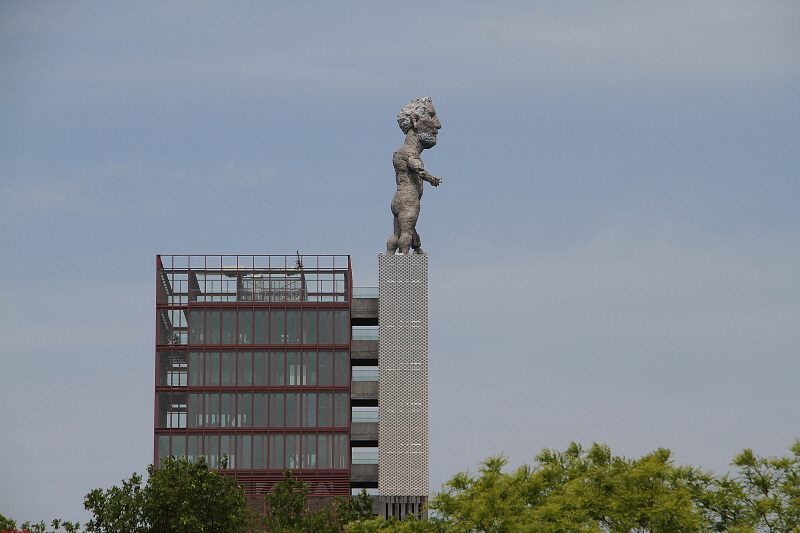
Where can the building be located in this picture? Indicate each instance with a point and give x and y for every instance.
(273, 362)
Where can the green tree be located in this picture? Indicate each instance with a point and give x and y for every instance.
(287, 510)
(179, 497)
(766, 492)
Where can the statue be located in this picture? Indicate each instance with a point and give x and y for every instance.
(419, 122)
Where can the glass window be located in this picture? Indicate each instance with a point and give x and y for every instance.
(277, 326)
(245, 327)
(325, 368)
(365, 414)
(293, 330)
(277, 368)
(292, 409)
(172, 369)
(324, 443)
(212, 368)
(211, 450)
(228, 376)
(211, 410)
(194, 407)
(243, 451)
(310, 327)
(227, 410)
(244, 413)
(325, 401)
(341, 451)
(260, 410)
(245, 368)
(342, 327)
(276, 451)
(228, 327)
(325, 327)
(196, 327)
(309, 451)
(296, 373)
(193, 447)
(163, 446)
(293, 451)
(260, 368)
(365, 373)
(309, 368)
(341, 409)
(276, 410)
(259, 451)
(179, 445)
(212, 327)
(261, 327)
(196, 368)
(342, 368)
(309, 409)
(227, 447)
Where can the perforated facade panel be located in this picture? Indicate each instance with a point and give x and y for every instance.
(403, 393)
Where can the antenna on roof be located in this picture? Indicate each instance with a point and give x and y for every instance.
(299, 262)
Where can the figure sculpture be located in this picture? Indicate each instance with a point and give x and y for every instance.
(419, 122)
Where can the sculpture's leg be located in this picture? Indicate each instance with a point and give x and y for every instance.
(406, 222)
(416, 242)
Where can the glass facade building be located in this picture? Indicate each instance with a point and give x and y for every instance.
(253, 363)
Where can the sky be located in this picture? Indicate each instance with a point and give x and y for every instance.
(614, 249)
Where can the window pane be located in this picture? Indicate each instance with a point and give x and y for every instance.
(245, 370)
(325, 401)
(292, 409)
(260, 410)
(324, 444)
(293, 331)
(212, 327)
(193, 447)
(196, 327)
(325, 368)
(243, 451)
(227, 416)
(293, 366)
(277, 327)
(211, 410)
(341, 409)
(341, 451)
(309, 410)
(245, 327)
(309, 368)
(228, 368)
(259, 451)
(196, 368)
(178, 445)
(342, 368)
(195, 410)
(310, 327)
(211, 450)
(276, 451)
(342, 327)
(276, 410)
(163, 446)
(277, 368)
(309, 451)
(292, 451)
(212, 368)
(228, 327)
(325, 327)
(244, 414)
(260, 368)
(261, 327)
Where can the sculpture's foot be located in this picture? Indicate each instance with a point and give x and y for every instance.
(418, 251)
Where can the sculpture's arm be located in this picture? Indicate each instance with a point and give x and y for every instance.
(415, 164)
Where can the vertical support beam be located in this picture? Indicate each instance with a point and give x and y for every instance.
(403, 392)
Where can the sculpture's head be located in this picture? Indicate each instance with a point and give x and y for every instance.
(420, 116)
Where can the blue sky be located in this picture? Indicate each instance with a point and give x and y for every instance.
(613, 250)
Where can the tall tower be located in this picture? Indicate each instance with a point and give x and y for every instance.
(403, 393)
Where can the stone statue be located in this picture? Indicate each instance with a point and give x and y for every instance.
(419, 122)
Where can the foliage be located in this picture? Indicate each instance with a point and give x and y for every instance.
(593, 491)
(287, 511)
(179, 497)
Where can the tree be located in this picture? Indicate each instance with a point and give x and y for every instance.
(287, 511)
(179, 497)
